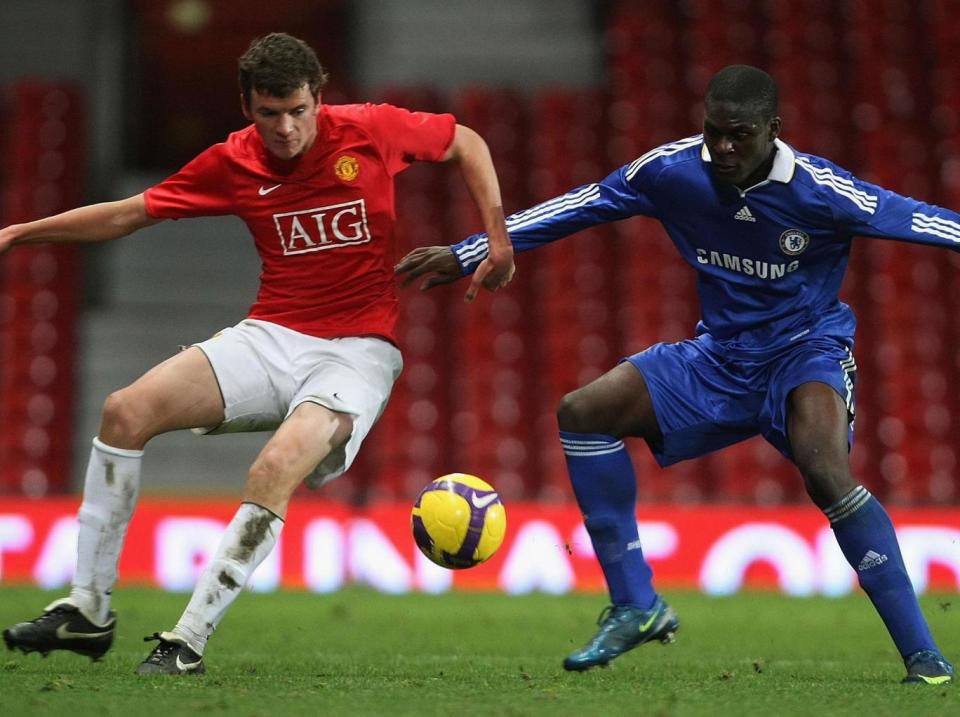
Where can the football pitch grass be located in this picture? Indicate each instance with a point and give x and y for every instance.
(358, 652)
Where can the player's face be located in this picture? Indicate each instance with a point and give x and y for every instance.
(740, 143)
(287, 125)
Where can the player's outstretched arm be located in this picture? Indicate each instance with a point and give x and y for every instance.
(96, 222)
(611, 199)
(471, 153)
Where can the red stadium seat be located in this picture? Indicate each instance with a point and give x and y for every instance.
(40, 288)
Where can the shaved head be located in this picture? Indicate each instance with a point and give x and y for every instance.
(748, 87)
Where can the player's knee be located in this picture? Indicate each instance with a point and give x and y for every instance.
(123, 423)
(573, 415)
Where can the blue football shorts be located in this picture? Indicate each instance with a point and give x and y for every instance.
(707, 396)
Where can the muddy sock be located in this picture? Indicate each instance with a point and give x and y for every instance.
(249, 538)
(109, 497)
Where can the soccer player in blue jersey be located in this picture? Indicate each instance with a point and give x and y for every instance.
(768, 230)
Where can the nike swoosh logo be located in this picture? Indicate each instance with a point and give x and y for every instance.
(65, 633)
(187, 666)
(264, 191)
(646, 626)
(481, 503)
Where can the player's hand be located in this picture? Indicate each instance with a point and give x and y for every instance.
(494, 273)
(437, 263)
(6, 239)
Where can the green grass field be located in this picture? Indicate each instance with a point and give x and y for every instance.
(362, 653)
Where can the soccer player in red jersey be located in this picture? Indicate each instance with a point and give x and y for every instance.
(315, 359)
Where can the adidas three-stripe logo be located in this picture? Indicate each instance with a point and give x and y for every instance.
(744, 215)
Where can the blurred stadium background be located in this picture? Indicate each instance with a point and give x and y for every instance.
(101, 98)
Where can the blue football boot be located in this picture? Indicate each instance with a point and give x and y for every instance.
(622, 628)
(928, 667)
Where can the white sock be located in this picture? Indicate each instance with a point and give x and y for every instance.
(109, 497)
(249, 538)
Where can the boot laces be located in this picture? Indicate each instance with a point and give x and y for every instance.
(162, 651)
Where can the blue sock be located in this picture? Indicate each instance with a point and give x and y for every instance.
(869, 543)
(606, 490)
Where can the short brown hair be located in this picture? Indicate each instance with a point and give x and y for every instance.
(278, 64)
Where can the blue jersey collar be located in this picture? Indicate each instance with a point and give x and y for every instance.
(783, 163)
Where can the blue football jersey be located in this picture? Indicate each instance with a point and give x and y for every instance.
(769, 259)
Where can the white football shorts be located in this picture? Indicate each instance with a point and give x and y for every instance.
(266, 370)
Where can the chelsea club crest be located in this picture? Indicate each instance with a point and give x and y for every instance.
(794, 241)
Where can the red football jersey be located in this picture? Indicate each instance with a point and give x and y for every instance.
(323, 223)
